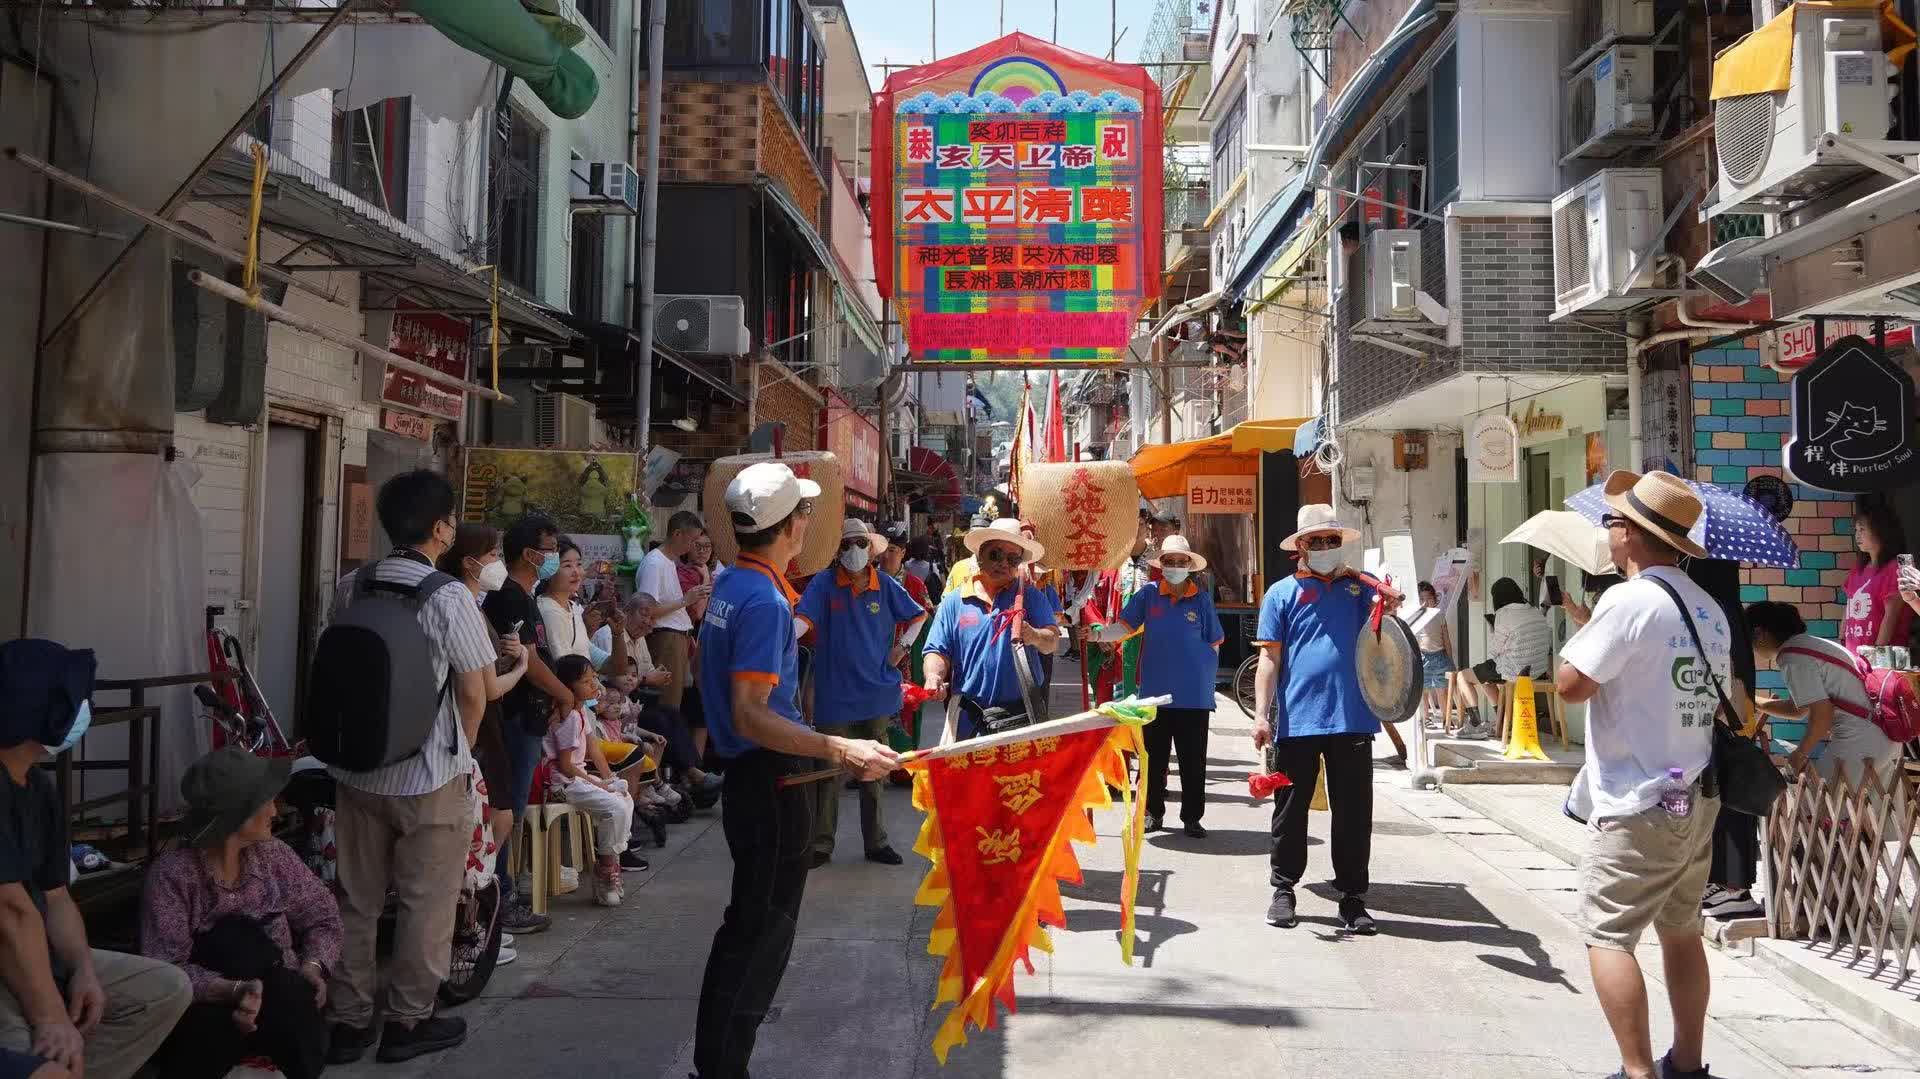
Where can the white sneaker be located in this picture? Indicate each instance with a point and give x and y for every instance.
(569, 880)
(506, 940)
(507, 955)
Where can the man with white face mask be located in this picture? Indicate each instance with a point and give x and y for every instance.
(863, 622)
(1307, 704)
(1179, 652)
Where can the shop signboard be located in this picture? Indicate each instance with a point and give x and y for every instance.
(583, 491)
(1221, 494)
(855, 440)
(1493, 449)
(1852, 421)
(441, 343)
(1018, 207)
(1796, 346)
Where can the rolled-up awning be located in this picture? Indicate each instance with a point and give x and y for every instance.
(1162, 471)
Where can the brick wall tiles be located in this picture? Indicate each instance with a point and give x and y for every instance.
(709, 132)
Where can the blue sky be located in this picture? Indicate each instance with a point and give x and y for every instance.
(897, 30)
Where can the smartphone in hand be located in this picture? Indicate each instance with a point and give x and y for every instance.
(1555, 597)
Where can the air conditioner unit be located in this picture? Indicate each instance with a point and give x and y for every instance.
(1598, 227)
(1385, 284)
(702, 325)
(1603, 22)
(562, 421)
(1773, 147)
(1610, 102)
(605, 187)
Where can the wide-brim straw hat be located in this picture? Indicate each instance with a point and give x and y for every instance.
(854, 527)
(1177, 544)
(1659, 502)
(1317, 517)
(1005, 530)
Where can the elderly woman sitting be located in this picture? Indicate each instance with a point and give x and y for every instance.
(254, 929)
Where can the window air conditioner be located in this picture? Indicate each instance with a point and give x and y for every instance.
(702, 325)
(1772, 146)
(1385, 284)
(1604, 22)
(1609, 102)
(562, 421)
(1597, 228)
(605, 187)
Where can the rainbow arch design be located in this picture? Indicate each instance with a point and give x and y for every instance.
(1017, 78)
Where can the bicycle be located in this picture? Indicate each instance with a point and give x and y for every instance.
(1243, 684)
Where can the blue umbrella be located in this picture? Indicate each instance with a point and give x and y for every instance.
(1736, 527)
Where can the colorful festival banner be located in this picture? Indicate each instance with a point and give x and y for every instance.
(1020, 218)
(999, 814)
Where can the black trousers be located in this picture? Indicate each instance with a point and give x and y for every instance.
(1736, 851)
(769, 833)
(290, 1029)
(1182, 731)
(1349, 760)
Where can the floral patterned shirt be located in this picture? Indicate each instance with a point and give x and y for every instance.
(275, 888)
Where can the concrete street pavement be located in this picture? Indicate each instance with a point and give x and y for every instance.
(1476, 971)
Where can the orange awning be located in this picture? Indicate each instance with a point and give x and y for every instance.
(1162, 471)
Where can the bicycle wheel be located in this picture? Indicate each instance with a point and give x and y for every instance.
(476, 946)
(1243, 684)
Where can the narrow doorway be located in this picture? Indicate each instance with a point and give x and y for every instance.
(287, 551)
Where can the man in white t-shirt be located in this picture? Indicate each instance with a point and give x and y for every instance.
(671, 641)
(1651, 699)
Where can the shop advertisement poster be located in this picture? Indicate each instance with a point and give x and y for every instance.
(1796, 346)
(441, 343)
(1493, 449)
(1020, 217)
(583, 491)
(1852, 421)
(1221, 494)
(855, 440)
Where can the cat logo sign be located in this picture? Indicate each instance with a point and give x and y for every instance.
(1853, 421)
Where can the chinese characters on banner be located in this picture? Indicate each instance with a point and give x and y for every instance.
(856, 442)
(1220, 494)
(1085, 513)
(1020, 219)
(442, 344)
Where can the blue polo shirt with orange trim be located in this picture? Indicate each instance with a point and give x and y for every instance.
(973, 629)
(1179, 628)
(1316, 620)
(748, 633)
(855, 619)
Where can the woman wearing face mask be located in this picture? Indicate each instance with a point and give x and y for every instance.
(1179, 652)
(565, 624)
(1521, 643)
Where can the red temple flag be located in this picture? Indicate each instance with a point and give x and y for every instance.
(1055, 446)
(1000, 812)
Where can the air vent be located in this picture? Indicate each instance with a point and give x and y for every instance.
(684, 325)
(1743, 135)
(1572, 267)
(702, 325)
(1580, 113)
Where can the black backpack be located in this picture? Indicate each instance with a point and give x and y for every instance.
(370, 698)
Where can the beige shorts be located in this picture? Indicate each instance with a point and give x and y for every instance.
(1647, 869)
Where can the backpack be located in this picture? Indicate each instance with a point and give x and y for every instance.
(1892, 703)
(370, 702)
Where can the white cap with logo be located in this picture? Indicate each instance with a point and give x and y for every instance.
(765, 494)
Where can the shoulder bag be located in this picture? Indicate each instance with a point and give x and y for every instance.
(1746, 779)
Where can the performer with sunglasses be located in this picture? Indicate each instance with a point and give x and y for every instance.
(1307, 704)
(971, 642)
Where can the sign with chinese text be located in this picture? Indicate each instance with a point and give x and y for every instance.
(1493, 450)
(1852, 421)
(855, 440)
(1798, 345)
(1085, 513)
(1221, 494)
(1020, 218)
(442, 344)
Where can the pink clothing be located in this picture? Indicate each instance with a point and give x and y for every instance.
(1870, 589)
(275, 889)
(568, 741)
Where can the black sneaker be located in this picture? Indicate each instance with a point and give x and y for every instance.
(1154, 823)
(818, 859)
(519, 919)
(1280, 912)
(632, 862)
(1354, 917)
(1195, 831)
(346, 1044)
(885, 856)
(429, 1035)
(1668, 1071)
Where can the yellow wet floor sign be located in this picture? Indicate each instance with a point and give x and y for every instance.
(1320, 788)
(1523, 736)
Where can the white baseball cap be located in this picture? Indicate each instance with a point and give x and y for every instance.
(765, 494)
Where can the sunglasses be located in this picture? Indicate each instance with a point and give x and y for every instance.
(1321, 543)
(1608, 520)
(856, 542)
(1001, 557)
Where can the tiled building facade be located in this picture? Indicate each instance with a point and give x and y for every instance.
(1740, 419)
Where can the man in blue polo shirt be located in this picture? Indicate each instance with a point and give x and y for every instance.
(971, 642)
(863, 623)
(1179, 653)
(1306, 693)
(749, 684)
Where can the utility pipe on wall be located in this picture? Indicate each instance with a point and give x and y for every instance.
(1695, 329)
(649, 221)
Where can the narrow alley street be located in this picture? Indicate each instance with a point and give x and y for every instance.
(1477, 970)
